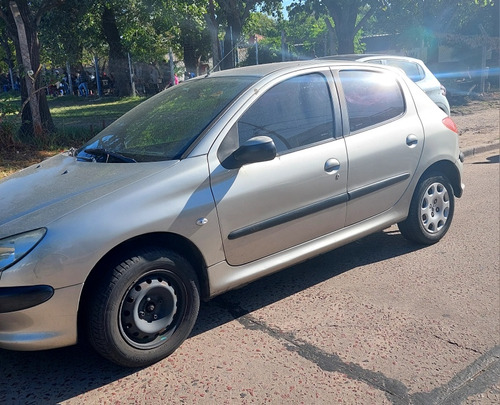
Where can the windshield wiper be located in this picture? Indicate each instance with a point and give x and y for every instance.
(108, 154)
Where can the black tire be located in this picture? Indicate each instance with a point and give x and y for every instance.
(431, 211)
(144, 308)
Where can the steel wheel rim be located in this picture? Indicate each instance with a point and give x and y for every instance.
(434, 208)
(151, 309)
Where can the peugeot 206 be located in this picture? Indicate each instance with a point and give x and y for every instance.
(210, 185)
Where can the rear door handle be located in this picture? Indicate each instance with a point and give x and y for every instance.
(411, 140)
(332, 165)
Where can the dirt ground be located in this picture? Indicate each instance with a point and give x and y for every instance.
(478, 122)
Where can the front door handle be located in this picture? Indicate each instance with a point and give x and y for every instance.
(411, 140)
(332, 165)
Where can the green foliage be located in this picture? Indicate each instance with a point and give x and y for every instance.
(261, 24)
(9, 120)
(306, 35)
(424, 19)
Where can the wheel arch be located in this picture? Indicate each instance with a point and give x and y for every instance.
(170, 241)
(448, 169)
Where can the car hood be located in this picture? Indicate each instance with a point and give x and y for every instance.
(42, 193)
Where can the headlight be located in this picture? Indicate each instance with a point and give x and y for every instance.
(14, 248)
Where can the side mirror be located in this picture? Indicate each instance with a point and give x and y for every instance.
(256, 149)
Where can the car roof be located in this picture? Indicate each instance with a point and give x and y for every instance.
(360, 57)
(269, 68)
(350, 56)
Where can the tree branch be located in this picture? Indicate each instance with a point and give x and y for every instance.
(365, 18)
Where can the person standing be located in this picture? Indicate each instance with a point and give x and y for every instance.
(82, 86)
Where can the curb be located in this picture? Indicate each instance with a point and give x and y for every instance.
(480, 149)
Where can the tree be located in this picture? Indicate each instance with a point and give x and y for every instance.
(454, 22)
(118, 61)
(7, 54)
(233, 14)
(266, 36)
(22, 20)
(308, 35)
(349, 17)
(64, 32)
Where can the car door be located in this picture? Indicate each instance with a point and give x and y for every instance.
(270, 206)
(384, 141)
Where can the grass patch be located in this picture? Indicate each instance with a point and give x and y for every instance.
(81, 112)
(77, 119)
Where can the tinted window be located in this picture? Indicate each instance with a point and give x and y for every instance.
(164, 126)
(371, 98)
(412, 70)
(377, 61)
(295, 113)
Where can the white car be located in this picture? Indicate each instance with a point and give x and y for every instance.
(414, 68)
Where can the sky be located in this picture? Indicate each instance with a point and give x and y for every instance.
(285, 4)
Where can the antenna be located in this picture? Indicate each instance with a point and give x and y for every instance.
(222, 60)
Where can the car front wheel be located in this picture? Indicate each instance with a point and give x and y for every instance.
(144, 308)
(431, 211)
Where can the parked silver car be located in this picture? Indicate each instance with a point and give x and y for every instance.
(414, 68)
(210, 185)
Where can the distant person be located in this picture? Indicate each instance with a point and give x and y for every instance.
(82, 86)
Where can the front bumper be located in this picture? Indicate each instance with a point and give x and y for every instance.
(50, 324)
(19, 298)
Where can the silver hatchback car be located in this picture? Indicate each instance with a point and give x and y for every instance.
(210, 185)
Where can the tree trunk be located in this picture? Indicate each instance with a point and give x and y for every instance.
(29, 73)
(118, 61)
(235, 18)
(212, 24)
(35, 114)
(190, 59)
(331, 43)
(345, 16)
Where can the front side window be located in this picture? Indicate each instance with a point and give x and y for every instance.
(295, 113)
(371, 98)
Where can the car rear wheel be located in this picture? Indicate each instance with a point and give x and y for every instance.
(431, 211)
(144, 308)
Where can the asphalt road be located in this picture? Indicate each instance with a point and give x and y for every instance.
(380, 321)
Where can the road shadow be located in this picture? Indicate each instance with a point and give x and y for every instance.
(489, 159)
(275, 287)
(52, 376)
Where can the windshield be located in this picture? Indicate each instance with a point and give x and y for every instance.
(164, 126)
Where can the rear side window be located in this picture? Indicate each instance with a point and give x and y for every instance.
(371, 98)
(295, 113)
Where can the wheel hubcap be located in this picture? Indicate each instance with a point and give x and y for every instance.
(148, 311)
(434, 208)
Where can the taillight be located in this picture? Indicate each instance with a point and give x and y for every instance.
(443, 90)
(448, 123)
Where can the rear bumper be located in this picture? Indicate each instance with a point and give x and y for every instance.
(460, 190)
(50, 324)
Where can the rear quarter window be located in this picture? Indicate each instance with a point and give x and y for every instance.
(371, 98)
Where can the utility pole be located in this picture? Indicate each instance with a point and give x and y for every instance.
(171, 63)
(131, 72)
(483, 59)
(256, 50)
